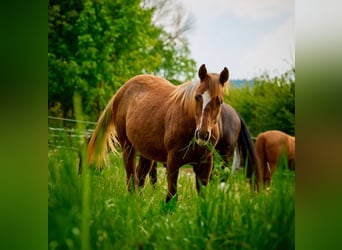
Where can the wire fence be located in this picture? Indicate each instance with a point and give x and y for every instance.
(70, 120)
(64, 134)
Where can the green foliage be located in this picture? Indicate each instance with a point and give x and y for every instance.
(267, 104)
(95, 211)
(95, 46)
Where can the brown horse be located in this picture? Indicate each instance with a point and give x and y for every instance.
(270, 147)
(162, 122)
(234, 140)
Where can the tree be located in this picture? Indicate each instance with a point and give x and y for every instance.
(175, 23)
(95, 46)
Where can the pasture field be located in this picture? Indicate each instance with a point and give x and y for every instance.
(95, 210)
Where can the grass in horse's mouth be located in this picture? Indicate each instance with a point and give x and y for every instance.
(193, 143)
(187, 147)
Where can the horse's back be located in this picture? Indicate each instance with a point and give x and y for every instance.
(144, 84)
(141, 107)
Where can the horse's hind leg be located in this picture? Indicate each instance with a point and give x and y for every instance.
(129, 162)
(153, 174)
(144, 168)
(267, 175)
(269, 168)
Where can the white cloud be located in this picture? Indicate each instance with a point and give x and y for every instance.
(261, 9)
(261, 39)
(247, 9)
(275, 52)
(204, 8)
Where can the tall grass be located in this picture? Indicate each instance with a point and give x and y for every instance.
(228, 216)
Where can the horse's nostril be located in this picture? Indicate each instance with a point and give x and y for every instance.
(197, 134)
(203, 135)
(206, 136)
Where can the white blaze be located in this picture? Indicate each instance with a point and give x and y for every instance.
(206, 99)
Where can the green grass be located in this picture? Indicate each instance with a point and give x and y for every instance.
(95, 211)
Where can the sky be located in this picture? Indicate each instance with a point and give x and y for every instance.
(250, 37)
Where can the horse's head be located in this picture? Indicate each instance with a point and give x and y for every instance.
(209, 97)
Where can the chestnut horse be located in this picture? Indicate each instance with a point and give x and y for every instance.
(270, 147)
(234, 142)
(163, 122)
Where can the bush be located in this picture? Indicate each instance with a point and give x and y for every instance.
(268, 103)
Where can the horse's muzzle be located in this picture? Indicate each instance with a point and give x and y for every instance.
(202, 137)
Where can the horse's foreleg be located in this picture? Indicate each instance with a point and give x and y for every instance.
(172, 169)
(143, 169)
(203, 171)
(236, 159)
(129, 162)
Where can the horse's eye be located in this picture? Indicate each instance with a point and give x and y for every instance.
(197, 97)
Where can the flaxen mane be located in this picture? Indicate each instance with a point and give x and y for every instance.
(185, 95)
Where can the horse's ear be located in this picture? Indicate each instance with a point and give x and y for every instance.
(202, 72)
(224, 75)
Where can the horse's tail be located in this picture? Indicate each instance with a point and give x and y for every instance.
(104, 136)
(248, 153)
